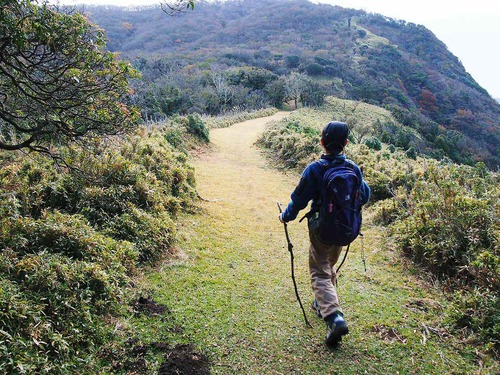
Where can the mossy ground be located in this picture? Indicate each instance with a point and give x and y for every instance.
(230, 293)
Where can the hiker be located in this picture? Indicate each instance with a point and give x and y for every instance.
(323, 254)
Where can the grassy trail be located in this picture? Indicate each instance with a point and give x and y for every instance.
(231, 293)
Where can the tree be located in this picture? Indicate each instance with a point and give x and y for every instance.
(294, 86)
(428, 102)
(313, 94)
(360, 129)
(292, 61)
(57, 83)
(373, 143)
(256, 78)
(275, 91)
(223, 89)
(314, 69)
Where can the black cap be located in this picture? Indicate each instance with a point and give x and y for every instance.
(334, 135)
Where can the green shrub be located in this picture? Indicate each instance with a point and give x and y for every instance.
(373, 143)
(451, 229)
(195, 126)
(294, 126)
(477, 310)
(411, 153)
(175, 137)
(152, 234)
(67, 235)
(386, 211)
(142, 172)
(71, 239)
(291, 142)
(386, 176)
(52, 311)
(450, 222)
(230, 118)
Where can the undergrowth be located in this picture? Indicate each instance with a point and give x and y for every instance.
(233, 117)
(442, 216)
(71, 239)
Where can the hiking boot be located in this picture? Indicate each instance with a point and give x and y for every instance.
(338, 328)
(315, 307)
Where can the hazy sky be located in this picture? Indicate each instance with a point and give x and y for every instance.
(469, 28)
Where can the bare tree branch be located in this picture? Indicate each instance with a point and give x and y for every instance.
(174, 7)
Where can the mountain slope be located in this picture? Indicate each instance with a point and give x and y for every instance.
(355, 55)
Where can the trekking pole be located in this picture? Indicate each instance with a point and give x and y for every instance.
(290, 250)
(363, 257)
(343, 260)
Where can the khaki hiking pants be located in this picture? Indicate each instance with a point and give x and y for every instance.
(322, 259)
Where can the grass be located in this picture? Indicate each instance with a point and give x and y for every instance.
(230, 294)
(370, 39)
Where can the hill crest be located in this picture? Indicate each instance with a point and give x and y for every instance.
(395, 64)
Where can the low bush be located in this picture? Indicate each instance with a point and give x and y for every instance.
(451, 229)
(196, 127)
(60, 279)
(386, 211)
(292, 143)
(236, 116)
(68, 235)
(477, 310)
(72, 238)
(443, 216)
(451, 219)
(139, 176)
(152, 233)
(373, 143)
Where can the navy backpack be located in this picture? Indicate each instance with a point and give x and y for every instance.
(340, 212)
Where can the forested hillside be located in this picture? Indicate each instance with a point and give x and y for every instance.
(249, 54)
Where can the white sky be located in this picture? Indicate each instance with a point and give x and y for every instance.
(469, 28)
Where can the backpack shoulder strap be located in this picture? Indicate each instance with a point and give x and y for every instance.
(354, 167)
(327, 164)
(324, 163)
(322, 166)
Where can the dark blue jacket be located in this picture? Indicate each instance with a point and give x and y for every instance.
(309, 187)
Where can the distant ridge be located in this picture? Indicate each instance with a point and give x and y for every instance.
(355, 55)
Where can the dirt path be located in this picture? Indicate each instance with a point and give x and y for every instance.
(236, 172)
(232, 294)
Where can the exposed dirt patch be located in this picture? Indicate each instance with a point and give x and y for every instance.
(132, 355)
(129, 357)
(183, 359)
(388, 333)
(179, 359)
(147, 305)
(423, 304)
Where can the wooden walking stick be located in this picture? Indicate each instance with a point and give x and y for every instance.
(290, 250)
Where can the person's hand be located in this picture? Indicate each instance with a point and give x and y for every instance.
(281, 218)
